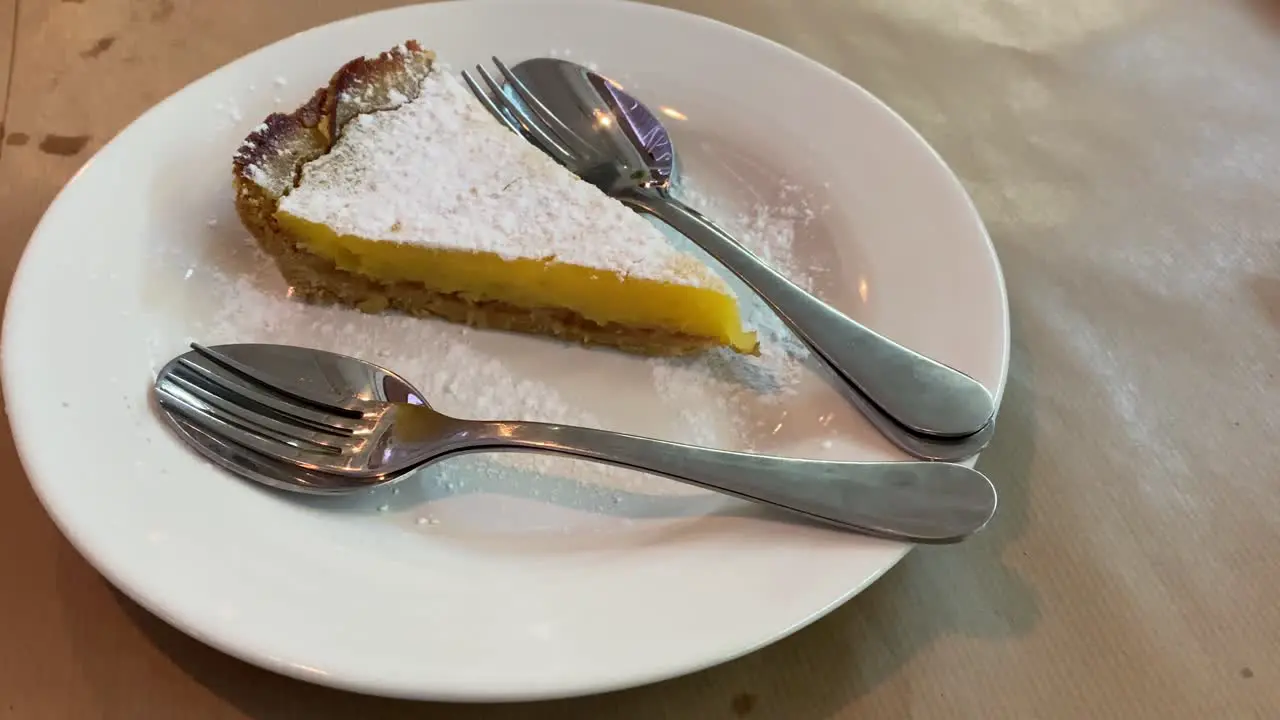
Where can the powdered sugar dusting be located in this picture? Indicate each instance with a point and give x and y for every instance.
(274, 184)
(232, 109)
(441, 172)
(768, 230)
(719, 381)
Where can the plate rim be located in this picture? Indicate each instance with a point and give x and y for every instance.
(27, 452)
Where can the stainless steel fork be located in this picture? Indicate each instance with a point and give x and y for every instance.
(363, 439)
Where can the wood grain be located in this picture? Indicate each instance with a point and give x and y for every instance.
(8, 35)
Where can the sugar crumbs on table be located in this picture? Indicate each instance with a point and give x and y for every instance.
(383, 508)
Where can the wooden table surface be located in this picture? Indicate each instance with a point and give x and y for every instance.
(1124, 154)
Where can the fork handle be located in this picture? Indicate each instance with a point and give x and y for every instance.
(924, 396)
(924, 502)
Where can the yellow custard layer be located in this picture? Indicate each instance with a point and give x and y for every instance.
(599, 296)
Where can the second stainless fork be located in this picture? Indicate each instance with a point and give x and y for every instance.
(366, 439)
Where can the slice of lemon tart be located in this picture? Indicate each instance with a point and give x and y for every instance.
(394, 189)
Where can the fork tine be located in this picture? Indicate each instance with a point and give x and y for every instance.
(485, 100)
(221, 381)
(532, 127)
(507, 112)
(208, 419)
(567, 137)
(251, 373)
(288, 433)
(253, 465)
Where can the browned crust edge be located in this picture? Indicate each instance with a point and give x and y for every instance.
(285, 142)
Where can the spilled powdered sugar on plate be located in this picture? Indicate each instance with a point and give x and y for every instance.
(723, 381)
(718, 399)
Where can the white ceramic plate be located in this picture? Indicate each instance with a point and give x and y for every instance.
(479, 580)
